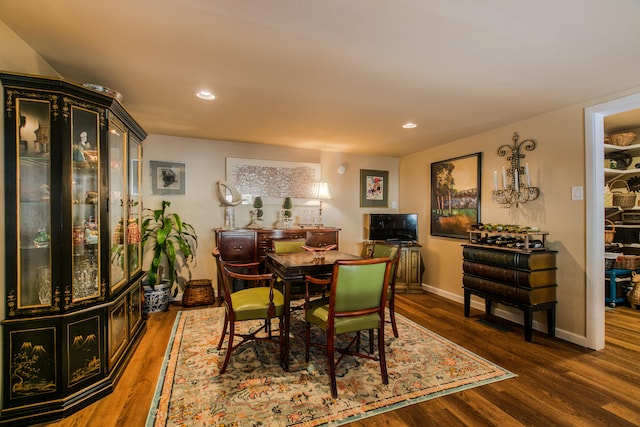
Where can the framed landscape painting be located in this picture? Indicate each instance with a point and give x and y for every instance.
(455, 196)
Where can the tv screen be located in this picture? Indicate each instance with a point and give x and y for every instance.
(393, 227)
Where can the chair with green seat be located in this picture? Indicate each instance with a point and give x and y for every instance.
(388, 250)
(238, 267)
(258, 302)
(356, 303)
(286, 246)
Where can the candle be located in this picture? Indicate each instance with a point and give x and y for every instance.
(504, 178)
(526, 172)
(516, 179)
(495, 180)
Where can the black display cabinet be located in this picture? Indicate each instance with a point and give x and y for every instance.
(73, 301)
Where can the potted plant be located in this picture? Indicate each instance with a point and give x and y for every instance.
(172, 244)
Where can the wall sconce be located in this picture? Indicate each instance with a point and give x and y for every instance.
(321, 192)
(517, 189)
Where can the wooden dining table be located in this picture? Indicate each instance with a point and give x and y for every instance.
(292, 267)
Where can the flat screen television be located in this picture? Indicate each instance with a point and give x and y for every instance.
(402, 228)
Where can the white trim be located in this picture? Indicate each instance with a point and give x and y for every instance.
(511, 315)
(594, 167)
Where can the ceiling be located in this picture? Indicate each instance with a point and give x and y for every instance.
(338, 75)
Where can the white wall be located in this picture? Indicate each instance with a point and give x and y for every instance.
(205, 165)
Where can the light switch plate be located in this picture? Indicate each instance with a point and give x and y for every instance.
(577, 193)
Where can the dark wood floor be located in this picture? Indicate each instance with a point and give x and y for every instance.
(558, 384)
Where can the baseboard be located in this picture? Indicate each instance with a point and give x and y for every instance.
(503, 312)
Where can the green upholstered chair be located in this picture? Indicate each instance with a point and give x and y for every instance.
(238, 267)
(257, 302)
(381, 250)
(356, 303)
(287, 246)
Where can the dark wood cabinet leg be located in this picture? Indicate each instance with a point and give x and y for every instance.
(467, 302)
(528, 324)
(551, 321)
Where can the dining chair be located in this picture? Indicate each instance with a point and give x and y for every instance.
(238, 267)
(282, 246)
(285, 246)
(356, 303)
(391, 251)
(259, 301)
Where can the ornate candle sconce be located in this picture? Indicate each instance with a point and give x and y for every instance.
(516, 181)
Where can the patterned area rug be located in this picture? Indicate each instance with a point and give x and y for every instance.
(255, 391)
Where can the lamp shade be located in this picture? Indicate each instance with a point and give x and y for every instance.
(321, 190)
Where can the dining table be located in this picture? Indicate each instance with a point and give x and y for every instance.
(292, 267)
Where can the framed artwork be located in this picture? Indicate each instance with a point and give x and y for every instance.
(374, 188)
(272, 180)
(167, 178)
(455, 196)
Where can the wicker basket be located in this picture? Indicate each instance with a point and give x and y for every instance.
(634, 294)
(198, 292)
(621, 139)
(621, 196)
(609, 234)
(627, 262)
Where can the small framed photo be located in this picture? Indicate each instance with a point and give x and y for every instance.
(374, 188)
(167, 178)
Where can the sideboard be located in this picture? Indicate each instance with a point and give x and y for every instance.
(520, 278)
(251, 245)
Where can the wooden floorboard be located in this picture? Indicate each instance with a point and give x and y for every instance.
(558, 383)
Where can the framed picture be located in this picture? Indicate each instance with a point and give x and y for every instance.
(167, 178)
(455, 196)
(374, 188)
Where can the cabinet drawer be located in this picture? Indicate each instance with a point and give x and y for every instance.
(240, 246)
(322, 238)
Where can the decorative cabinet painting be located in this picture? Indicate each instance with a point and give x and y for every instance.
(73, 251)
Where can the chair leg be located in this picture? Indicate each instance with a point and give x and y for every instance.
(381, 355)
(370, 341)
(281, 338)
(229, 348)
(332, 364)
(307, 341)
(224, 330)
(392, 315)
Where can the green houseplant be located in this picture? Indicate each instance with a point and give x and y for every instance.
(172, 244)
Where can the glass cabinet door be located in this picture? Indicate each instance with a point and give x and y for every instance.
(117, 204)
(34, 284)
(85, 212)
(135, 209)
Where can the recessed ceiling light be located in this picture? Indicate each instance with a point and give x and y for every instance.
(206, 95)
(409, 125)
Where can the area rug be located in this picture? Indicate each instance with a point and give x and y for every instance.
(255, 391)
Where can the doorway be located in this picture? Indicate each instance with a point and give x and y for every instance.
(594, 162)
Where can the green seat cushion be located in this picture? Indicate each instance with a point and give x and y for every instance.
(318, 314)
(252, 303)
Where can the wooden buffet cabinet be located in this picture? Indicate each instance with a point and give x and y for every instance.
(250, 245)
(522, 278)
(72, 289)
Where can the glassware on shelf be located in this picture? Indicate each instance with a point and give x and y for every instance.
(41, 239)
(85, 279)
(43, 277)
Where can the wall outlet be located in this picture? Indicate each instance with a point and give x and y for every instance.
(577, 193)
